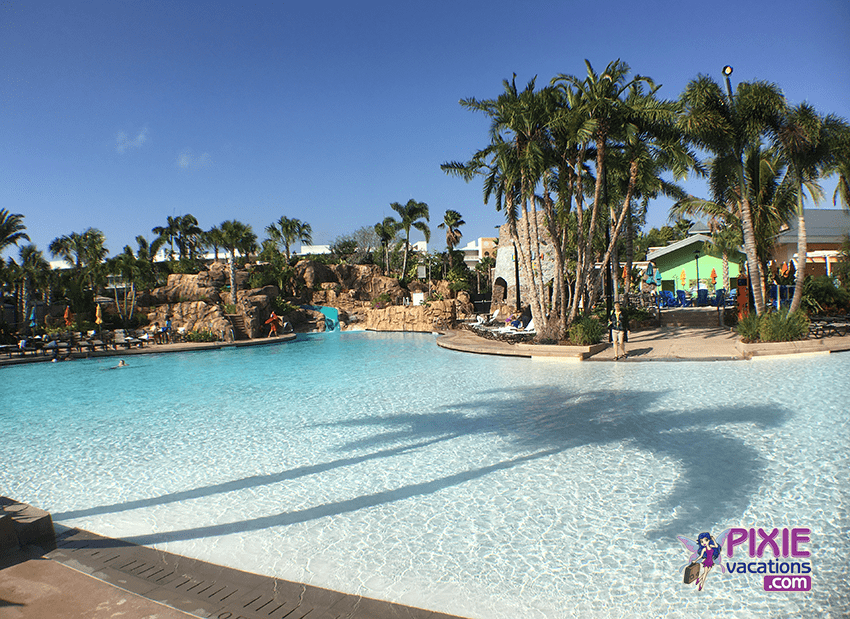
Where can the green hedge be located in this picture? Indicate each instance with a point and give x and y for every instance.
(586, 331)
(779, 326)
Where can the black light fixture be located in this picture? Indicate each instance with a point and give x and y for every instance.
(727, 70)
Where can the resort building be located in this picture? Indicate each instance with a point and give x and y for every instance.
(826, 230)
(684, 262)
(475, 251)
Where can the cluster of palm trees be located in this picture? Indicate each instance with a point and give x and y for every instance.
(86, 255)
(572, 164)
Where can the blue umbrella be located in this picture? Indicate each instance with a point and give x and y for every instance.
(32, 317)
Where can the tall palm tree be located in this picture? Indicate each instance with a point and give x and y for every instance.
(452, 221)
(809, 144)
(131, 269)
(387, 231)
(723, 223)
(412, 213)
(33, 271)
(85, 252)
(213, 239)
(288, 231)
(11, 229)
(236, 237)
(188, 235)
(169, 232)
(728, 126)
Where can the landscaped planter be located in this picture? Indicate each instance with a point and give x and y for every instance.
(763, 349)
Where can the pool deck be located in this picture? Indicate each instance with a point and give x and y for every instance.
(658, 344)
(149, 349)
(89, 576)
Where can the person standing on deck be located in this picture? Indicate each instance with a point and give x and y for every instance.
(619, 325)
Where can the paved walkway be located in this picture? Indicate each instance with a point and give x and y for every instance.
(659, 344)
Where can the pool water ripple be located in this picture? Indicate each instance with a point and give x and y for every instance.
(488, 487)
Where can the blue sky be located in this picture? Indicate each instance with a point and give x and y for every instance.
(118, 114)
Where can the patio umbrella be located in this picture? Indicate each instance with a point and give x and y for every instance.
(68, 320)
(682, 277)
(650, 274)
(713, 276)
(98, 319)
(32, 317)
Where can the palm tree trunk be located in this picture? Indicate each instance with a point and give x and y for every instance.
(233, 277)
(726, 272)
(756, 281)
(630, 251)
(802, 253)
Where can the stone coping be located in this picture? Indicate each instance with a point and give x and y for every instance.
(816, 346)
(663, 344)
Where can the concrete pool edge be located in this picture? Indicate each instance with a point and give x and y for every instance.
(90, 573)
(659, 344)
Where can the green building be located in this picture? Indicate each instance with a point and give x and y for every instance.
(689, 256)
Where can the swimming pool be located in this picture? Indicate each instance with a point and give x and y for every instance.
(488, 487)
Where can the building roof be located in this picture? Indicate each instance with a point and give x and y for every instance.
(822, 226)
(691, 240)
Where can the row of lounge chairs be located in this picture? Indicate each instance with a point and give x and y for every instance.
(67, 343)
(827, 326)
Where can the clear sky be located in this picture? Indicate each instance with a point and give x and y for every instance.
(118, 114)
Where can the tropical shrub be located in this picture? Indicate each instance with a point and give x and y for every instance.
(748, 328)
(201, 336)
(282, 307)
(381, 301)
(820, 294)
(586, 331)
(779, 326)
(783, 326)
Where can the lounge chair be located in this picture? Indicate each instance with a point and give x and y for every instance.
(702, 297)
(683, 299)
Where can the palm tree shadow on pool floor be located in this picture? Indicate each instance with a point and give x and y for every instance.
(719, 473)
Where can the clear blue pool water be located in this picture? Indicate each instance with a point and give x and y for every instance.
(487, 487)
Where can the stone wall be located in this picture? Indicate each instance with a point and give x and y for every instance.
(193, 315)
(506, 267)
(423, 318)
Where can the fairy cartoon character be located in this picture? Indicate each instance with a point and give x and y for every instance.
(706, 550)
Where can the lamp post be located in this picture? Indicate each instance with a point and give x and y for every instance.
(696, 259)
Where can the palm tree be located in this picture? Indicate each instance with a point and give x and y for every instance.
(288, 231)
(236, 236)
(809, 144)
(11, 229)
(213, 238)
(33, 271)
(452, 221)
(131, 269)
(85, 253)
(169, 232)
(729, 126)
(387, 231)
(188, 235)
(411, 215)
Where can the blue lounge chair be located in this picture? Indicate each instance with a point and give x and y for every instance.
(702, 297)
(668, 299)
(683, 299)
